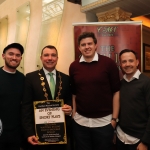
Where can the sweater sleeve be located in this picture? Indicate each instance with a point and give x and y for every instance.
(146, 136)
(114, 78)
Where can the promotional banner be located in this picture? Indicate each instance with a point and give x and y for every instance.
(112, 37)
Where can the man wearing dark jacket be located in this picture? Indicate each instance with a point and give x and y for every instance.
(37, 88)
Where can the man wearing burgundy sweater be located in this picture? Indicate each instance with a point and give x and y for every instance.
(95, 87)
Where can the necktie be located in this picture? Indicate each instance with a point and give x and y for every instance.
(52, 84)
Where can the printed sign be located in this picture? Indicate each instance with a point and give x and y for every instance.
(50, 122)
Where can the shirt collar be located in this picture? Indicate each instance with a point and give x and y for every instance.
(9, 71)
(95, 58)
(135, 76)
(47, 72)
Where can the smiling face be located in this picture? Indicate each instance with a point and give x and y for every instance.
(129, 64)
(87, 47)
(12, 58)
(49, 58)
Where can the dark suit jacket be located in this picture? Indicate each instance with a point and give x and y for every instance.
(33, 91)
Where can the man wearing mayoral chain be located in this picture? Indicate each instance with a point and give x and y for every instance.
(38, 87)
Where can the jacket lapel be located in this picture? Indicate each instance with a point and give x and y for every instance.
(57, 84)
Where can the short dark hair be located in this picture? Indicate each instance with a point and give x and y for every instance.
(14, 45)
(128, 50)
(86, 35)
(50, 47)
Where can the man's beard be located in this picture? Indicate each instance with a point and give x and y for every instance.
(10, 66)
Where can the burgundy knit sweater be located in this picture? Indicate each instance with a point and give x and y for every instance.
(94, 84)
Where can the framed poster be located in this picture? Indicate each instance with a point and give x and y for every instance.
(146, 57)
(50, 122)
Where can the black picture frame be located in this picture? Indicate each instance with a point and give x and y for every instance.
(146, 57)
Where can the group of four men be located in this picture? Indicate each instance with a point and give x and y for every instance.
(99, 99)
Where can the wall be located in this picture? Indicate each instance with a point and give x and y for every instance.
(65, 43)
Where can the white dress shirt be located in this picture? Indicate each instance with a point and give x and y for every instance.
(48, 76)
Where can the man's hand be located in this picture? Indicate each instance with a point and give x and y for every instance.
(142, 146)
(67, 109)
(113, 123)
(33, 140)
